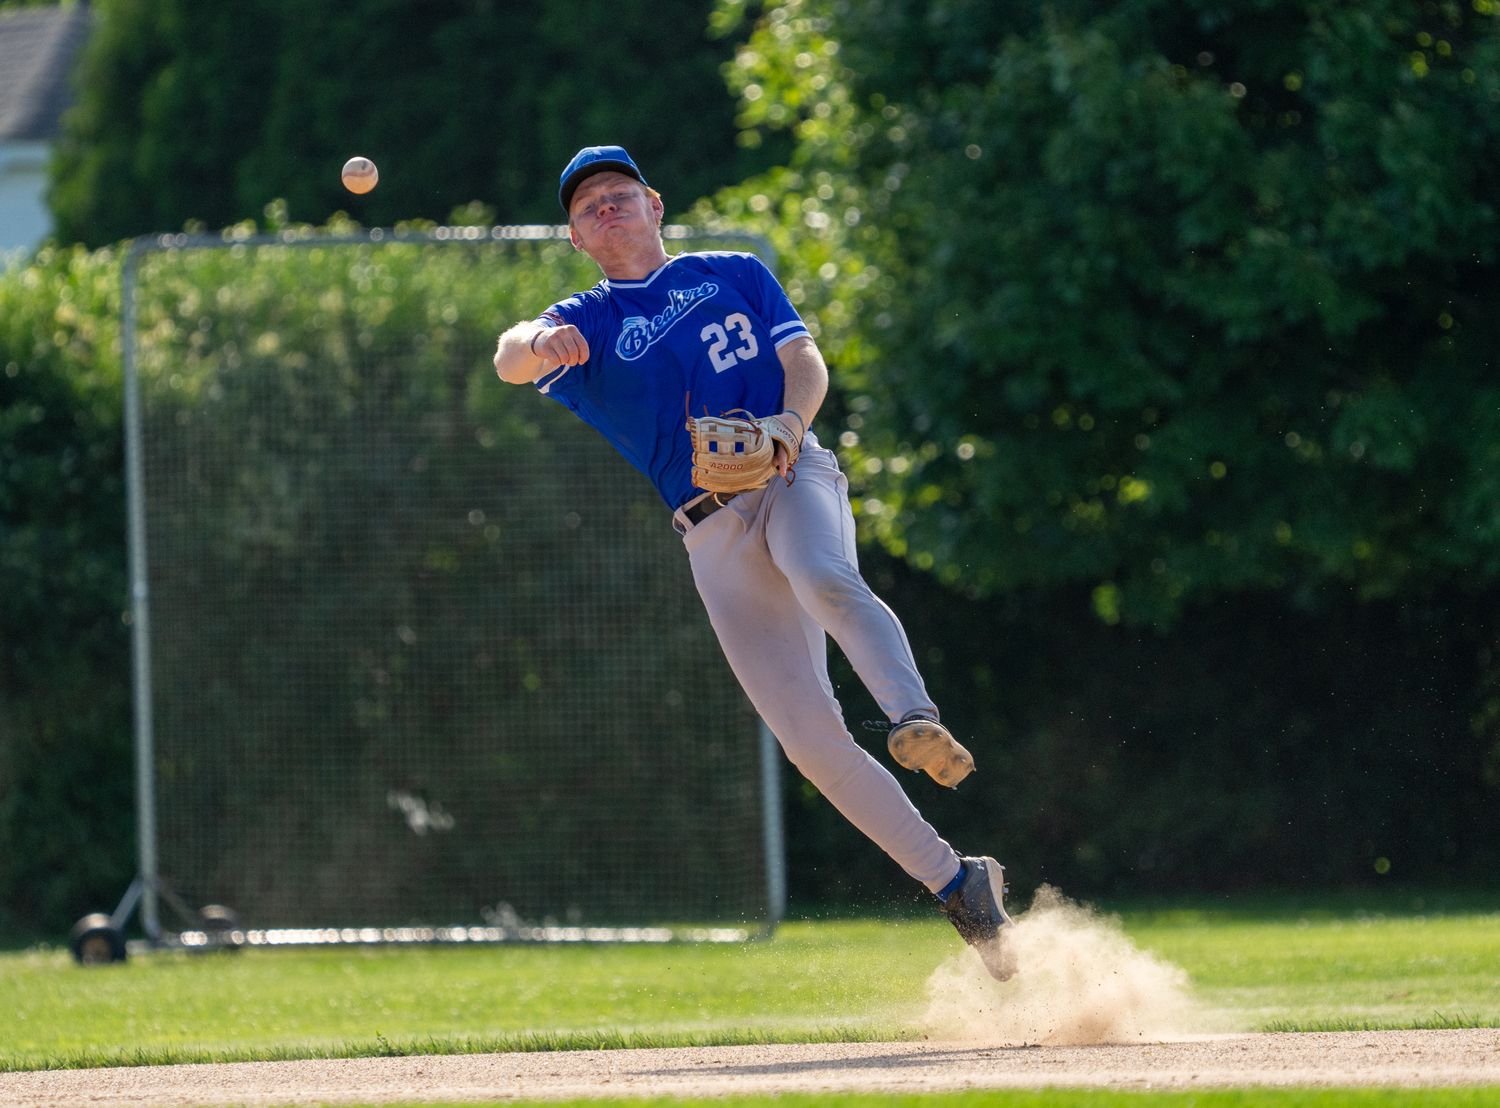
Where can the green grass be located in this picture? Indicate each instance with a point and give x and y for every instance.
(813, 981)
(845, 980)
(1321, 974)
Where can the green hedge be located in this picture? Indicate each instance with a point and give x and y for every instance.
(66, 836)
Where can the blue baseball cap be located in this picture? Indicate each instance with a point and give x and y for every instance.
(591, 160)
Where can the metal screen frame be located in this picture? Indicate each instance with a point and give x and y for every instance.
(148, 880)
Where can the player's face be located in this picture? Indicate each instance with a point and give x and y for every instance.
(609, 207)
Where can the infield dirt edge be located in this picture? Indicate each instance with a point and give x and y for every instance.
(1347, 1058)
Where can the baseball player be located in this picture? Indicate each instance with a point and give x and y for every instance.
(762, 507)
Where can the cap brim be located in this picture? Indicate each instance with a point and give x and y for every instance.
(584, 172)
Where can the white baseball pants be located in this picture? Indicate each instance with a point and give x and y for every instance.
(777, 568)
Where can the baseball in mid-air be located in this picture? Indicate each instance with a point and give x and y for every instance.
(360, 175)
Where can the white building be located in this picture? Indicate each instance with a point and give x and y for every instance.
(37, 49)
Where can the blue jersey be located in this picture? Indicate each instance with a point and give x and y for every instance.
(701, 330)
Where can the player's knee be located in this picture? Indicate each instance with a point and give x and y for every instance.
(833, 588)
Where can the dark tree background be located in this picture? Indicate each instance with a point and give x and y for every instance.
(1165, 335)
(1259, 746)
(208, 111)
(1164, 342)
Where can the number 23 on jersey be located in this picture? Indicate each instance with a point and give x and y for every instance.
(719, 334)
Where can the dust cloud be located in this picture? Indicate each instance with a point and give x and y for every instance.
(1079, 980)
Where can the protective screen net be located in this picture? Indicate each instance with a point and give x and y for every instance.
(422, 644)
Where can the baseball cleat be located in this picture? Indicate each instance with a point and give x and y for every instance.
(925, 744)
(977, 909)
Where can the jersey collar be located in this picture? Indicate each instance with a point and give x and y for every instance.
(609, 284)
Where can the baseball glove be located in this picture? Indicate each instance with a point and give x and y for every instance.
(736, 455)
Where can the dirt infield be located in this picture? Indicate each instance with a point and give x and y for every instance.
(1407, 1058)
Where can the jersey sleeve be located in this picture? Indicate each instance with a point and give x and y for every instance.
(561, 382)
(770, 302)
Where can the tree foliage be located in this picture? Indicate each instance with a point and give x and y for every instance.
(1167, 299)
(208, 111)
(65, 779)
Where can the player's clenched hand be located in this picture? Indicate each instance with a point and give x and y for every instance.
(563, 345)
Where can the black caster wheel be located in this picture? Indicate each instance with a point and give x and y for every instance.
(94, 942)
(222, 927)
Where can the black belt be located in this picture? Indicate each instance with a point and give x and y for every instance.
(707, 507)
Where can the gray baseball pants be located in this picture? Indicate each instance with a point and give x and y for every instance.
(777, 568)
